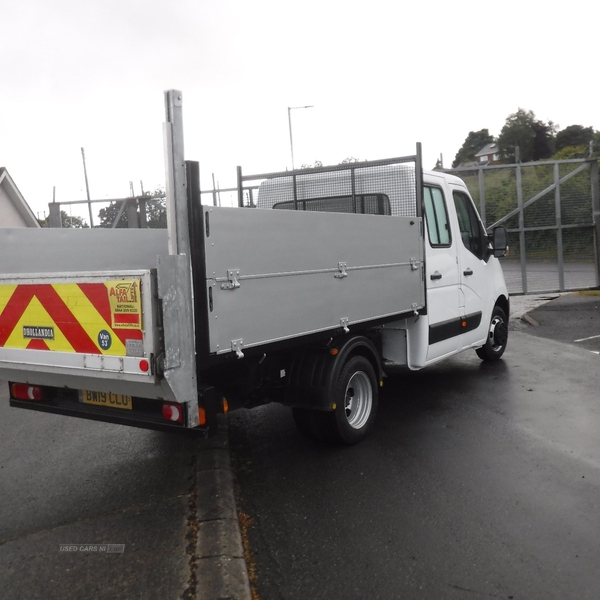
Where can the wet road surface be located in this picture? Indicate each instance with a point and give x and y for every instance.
(82, 483)
(479, 481)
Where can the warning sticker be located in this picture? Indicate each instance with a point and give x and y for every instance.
(125, 303)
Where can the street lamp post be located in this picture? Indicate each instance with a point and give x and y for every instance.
(290, 109)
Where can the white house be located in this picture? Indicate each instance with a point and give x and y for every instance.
(14, 211)
(489, 154)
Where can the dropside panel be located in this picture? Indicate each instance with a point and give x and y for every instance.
(275, 275)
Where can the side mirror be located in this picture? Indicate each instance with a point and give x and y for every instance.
(500, 241)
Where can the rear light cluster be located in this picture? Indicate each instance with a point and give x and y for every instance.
(172, 412)
(24, 391)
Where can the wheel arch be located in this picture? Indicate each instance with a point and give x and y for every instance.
(314, 371)
(504, 303)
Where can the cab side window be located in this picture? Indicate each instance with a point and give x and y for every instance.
(436, 216)
(471, 230)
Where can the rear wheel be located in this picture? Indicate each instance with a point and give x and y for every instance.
(355, 397)
(497, 339)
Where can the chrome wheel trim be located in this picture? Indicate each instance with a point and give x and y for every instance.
(358, 400)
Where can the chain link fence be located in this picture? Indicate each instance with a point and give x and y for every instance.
(551, 210)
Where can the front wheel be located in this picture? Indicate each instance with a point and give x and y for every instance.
(497, 339)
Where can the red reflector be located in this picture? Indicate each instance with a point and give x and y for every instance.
(144, 366)
(172, 412)
(22, 391)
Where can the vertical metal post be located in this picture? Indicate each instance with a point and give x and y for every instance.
(559, 238)
(521, 226)
(419, 180)
(353, 185)
(87, 188)
(176, 186)
(291, 141)
(482, 212)
(143, 215)
(595, 185)
(295, 192)
(54, 214)
(290, 109)
(175, 271)
(214, 192)
(240, 187)
(132, 216)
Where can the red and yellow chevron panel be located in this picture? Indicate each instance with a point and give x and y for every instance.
(93, 318)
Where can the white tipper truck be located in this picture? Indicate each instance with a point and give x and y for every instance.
(330, 280)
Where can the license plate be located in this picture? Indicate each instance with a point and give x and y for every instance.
(107, 399)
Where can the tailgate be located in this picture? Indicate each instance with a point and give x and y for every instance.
(90, 326)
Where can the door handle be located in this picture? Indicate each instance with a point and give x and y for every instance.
(436, 275)
(468, 272)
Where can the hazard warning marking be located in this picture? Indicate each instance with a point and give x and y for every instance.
(71, 317)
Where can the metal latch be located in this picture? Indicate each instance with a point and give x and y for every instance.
(414, 264)
(342, 271)
(232, 283)
(236, 346)
(344, 324)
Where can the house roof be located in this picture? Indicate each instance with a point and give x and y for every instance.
(14, 195)
(488, 149)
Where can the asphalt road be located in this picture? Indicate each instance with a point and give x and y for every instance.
(573, 319)
(479, 481)
(165, 502)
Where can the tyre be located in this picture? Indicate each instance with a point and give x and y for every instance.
(497, 339)
(355, 396)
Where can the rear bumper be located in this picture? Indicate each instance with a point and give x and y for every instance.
(107, 415)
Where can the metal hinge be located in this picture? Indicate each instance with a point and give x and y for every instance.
(236, 346)
(342, 271)
(233, 283)
(414, 264)
(344, 323)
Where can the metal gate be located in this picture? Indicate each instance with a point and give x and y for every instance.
(551, 210)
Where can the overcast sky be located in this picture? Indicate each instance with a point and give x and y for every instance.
(381, 75)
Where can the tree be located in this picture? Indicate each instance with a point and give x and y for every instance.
(156, 212)
(67, 221)
(316, 164)
(109, 214)
(534, 138)
(573, 136)
(474, 142)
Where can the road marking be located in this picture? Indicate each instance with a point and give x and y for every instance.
(592, 337)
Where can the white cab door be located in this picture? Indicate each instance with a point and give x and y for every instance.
(442, 275)
(474, 273)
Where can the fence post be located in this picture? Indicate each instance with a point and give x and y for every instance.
(482, 213)
(521, 228)
(132, 216)
(54, 214)
(559, 238)
(595, 185)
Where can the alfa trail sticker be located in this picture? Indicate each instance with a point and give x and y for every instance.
(125, 303)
